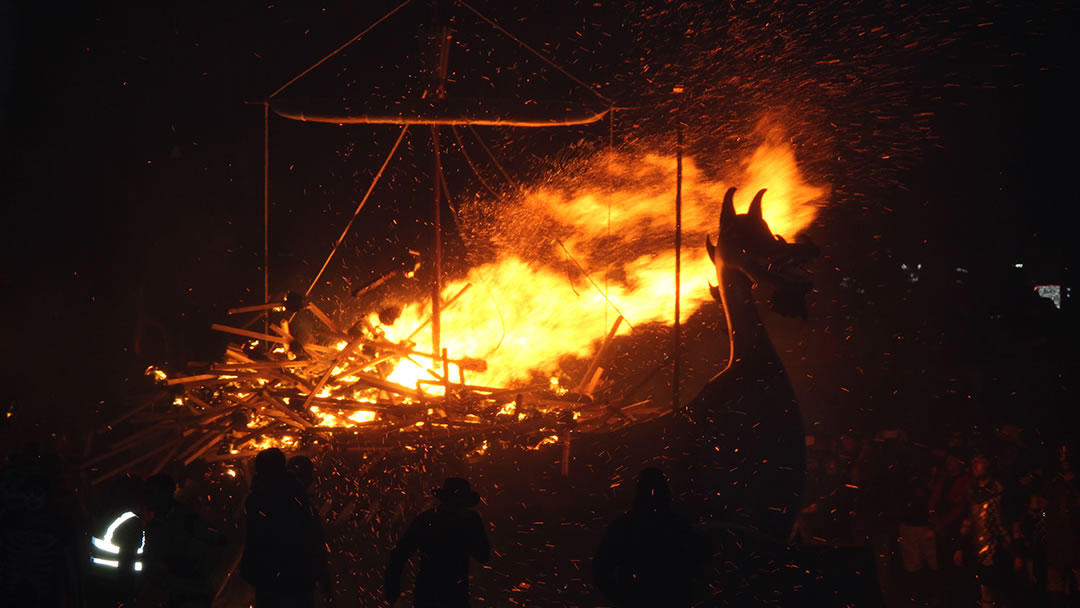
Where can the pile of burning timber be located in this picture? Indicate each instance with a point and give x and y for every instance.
(272, 390)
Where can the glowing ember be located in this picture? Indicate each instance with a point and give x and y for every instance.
(283, 442)
(340, 419)
(549, 440)
(362, 416)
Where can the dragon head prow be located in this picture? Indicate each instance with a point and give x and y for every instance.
(746, 245)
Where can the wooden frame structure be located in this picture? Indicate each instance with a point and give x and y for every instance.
(273, 390)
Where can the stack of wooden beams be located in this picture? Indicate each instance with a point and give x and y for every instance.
(272, 391)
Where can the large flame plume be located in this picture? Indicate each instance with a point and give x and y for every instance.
(608, 234)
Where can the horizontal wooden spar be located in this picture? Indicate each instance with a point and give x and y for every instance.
(506, 113)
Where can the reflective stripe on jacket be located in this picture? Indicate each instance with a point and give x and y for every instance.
(104, 553)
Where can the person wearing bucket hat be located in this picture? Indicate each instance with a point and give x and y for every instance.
(447, 537)
(457, 492)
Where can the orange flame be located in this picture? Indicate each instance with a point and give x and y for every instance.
(524, 316)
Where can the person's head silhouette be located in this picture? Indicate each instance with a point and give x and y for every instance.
(456, 494)
(303, 470)
(158, 493)
(653, 492)
(270, 466)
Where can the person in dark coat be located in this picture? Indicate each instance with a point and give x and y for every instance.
(282, 557)
(650, 555)
(182, 550)
(447, 537)
(39, 524)
(1063, 530)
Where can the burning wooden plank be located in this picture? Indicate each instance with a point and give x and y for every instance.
(359, 291)
(145, 403)
(591, 377)
(247, 333)
(237, 355)
(139, 460)
(445, 305)
(322, 316)
(191, 379)
(337, 389)
(273, 306)
(260, 365)
(215, 439)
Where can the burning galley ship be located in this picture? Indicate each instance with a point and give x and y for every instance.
(452, 370)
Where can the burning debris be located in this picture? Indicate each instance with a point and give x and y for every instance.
(274, 391)
(369, 386)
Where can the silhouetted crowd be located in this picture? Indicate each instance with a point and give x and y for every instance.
(140, 546)
(987, 522)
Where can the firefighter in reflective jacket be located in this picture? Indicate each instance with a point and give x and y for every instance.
(115, 563)
(119, 549)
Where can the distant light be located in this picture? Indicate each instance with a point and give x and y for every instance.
(912, 272)
(1050, 292)
(963, 270)
(1018, 265)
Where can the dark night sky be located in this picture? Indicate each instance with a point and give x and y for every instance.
(134, 166)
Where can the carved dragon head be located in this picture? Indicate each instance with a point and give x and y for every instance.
(746, 245)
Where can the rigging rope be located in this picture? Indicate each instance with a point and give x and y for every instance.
(469, 161)
(491, 155)
(363, 201)
(338, 50)
(510, 180)
(457, 224)
(600, 291)
(544, 58)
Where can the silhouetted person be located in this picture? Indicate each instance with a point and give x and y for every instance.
(36, 530)
(948, 500)
(303, 471)
(182, 551)
(447, 536)
(1062, 530)
(649, 556)
(989, 535)
(282, 558)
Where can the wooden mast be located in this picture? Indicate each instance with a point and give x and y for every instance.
(440, 10)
